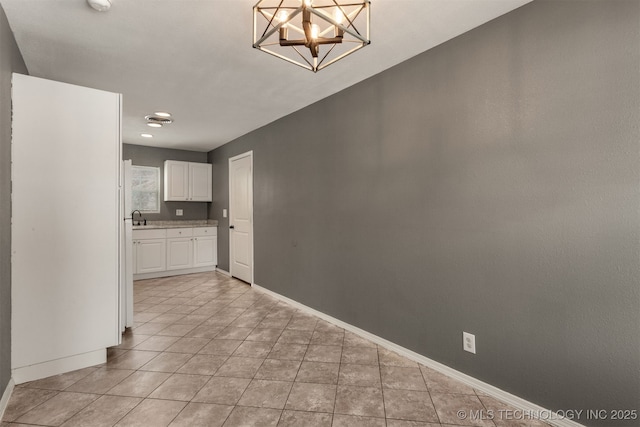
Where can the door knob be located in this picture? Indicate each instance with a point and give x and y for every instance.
(232, 227)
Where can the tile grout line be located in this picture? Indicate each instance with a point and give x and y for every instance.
(170, 375)
(384, 406)
(251, 379)
(252, 311)
(430, 397)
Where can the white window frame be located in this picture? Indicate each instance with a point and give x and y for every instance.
(148, 169)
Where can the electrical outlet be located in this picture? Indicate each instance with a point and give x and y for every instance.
(178, 212)
(469, 342)
(224, 213)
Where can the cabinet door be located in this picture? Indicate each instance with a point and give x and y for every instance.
(179, 252)
(205, 251)
(200, 182)
(176, 180)
(150, 255)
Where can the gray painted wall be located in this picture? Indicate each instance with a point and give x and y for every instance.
(10, 61)
(151, 156)
(488, 185)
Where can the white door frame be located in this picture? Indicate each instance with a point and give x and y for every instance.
(231, 159)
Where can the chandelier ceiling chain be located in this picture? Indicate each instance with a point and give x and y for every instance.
(312, 34)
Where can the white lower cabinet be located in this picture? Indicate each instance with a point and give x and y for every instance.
(166, 252)
(179, 253)
(149, 251)
(179, 248)
(150, 255)
(205, 246)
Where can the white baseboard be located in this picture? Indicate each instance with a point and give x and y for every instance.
(59, 366)
(516, 402)
(226, 273)
(169, 273)
(4, 401)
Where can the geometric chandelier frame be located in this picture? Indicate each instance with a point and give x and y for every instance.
(312, 34)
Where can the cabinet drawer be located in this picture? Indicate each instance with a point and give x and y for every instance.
(205, 231)
(179, 232)
(149, 234)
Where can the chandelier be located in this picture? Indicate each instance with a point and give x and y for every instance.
(311, 33)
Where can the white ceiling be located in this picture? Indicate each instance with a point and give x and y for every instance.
(194, 58)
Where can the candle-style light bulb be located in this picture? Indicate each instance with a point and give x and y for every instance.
(308, 2)
(339, 17)
(315, 31)
(282, 16)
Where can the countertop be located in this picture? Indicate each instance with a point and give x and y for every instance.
(176, 224)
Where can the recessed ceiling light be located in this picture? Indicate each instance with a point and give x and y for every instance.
(100, 5)
(162, 114)
(146, 135)
(154, 125)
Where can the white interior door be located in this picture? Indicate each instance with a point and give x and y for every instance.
(241, 216)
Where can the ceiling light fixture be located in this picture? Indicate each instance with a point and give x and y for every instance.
(311, 33)
(100, 5)
(156, 119)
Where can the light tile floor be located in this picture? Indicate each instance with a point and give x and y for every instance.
(208, 350)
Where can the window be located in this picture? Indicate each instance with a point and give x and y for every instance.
(145, 189)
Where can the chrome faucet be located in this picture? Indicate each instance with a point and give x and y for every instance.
(139, 218)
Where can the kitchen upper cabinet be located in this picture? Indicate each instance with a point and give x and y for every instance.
(176, 180)
(200, 182)
(187, 181)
